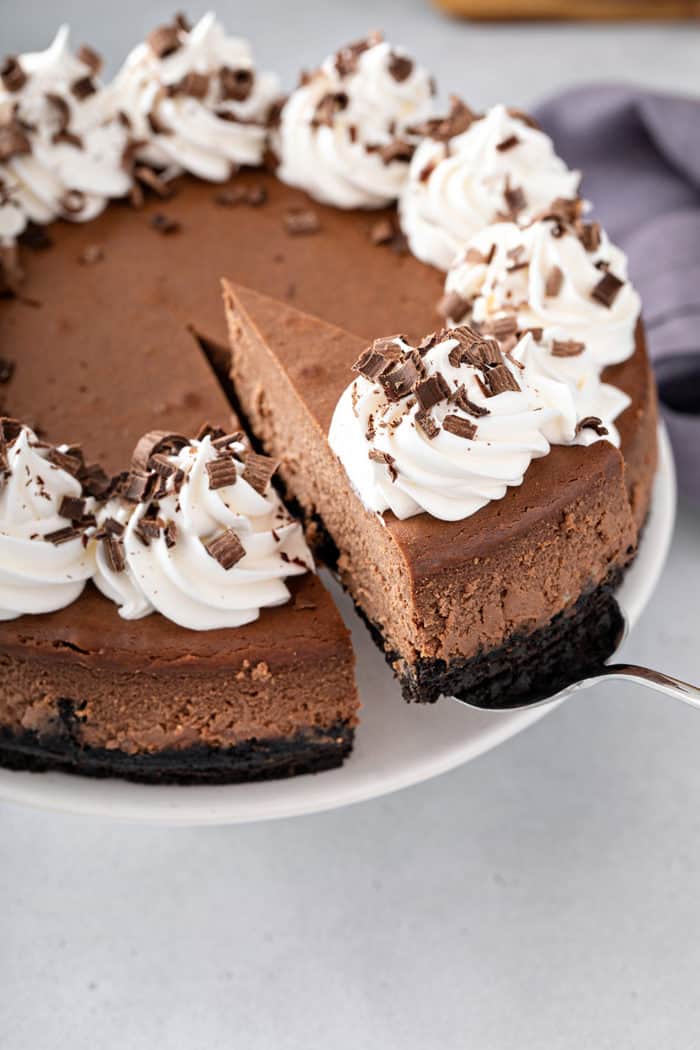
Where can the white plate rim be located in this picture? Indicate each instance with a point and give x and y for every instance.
(173, 805)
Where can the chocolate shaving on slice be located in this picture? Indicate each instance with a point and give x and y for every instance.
(226, 440)
(170, 534)
(226, 548)
(567, 348)
(453, 307)
(112, 527)
(258, 471)
(13, 140)
(164, 224)
(90, 58)
(427, 424)
(399, 380)
(346, 58)
(210, 431)
(515, 198)
(524, 118)
(370, 364)
(12, 75)
(149, 527)
(91, 254)
(114, 552)
(499, 379)
(592, 423)
(236, 84)
(332, 103)
(221, 472)
(301, 221)
(503, 327)
(72, 507)
(152, 443)
(459, 426)
(60, 536)
(83, 87)
(607, 289)
(7, 370)
(148, 177)
(508, 143)
(460, 398)
(138, 488)
(162, 465)
(396, 150)
(164, 40)
(432, 391)
(460, 118)
(400, 67)
(590, 236)
(553, 282)
(194, 85)
(384, 458)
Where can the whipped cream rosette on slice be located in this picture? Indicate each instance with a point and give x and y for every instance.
(61, 145)
(195, 100)
(196, 532)
(472, 170)
(449, 425)
(344, 133)
(45, 521)
(559, 272)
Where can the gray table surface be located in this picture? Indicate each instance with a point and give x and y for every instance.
(544, 896)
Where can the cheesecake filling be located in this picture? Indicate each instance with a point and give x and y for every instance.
(195, 100)
(61, 145)
(197, 533)
(473, 170)
(559, 272)
(45, 556)
(345, 133)
(448, 426)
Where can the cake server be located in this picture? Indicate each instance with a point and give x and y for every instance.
(646, 676)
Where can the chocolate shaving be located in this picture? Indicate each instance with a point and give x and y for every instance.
(427, 424)
(258, 471)
(432, 391)
(13, 140)
(503, 327)
(400, 67)
(170, 535)
(553, 282)
(508, 143)
(515, 198)
(567, 348)
(154, 442)
(453, 307)
(68, 461)
(592, 423)
(148, 177)
(396, 150)
(72, 507)
(346, 58)
(459, 426)
(459, 119)
(60, 536)
(114, 553)
(138, 488)
(384, 458)
(329, 105)
(236, 84)
(194, 85)
(90, 58)
(590, 236)
(12, 75)
(460, 398)
(83, 87)
(301, 221)
(371, 363)
(399, 380)
(165, 225)
(112, 527)
(607, 289)
(499, 379)
(524, 118)
(226, 440)
(164, 40)
(227, 549)
(221, 472)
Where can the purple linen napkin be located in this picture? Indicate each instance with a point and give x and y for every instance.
(640, 155)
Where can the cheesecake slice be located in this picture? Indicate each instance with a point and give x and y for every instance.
(510, 603)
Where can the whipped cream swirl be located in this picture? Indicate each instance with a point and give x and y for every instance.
(44, 562)
(448, 429)
(501, 167)
(209, 547)
(195, 100)
(344, 133)
(61, 147)
(551, 274)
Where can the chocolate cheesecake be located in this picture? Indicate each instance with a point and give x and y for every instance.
(121, 209)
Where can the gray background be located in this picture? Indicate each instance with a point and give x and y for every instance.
(544, 896)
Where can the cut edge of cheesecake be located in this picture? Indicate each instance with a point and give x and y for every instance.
(515, 600)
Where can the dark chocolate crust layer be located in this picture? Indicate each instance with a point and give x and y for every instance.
(529, 667)
(311, 750)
